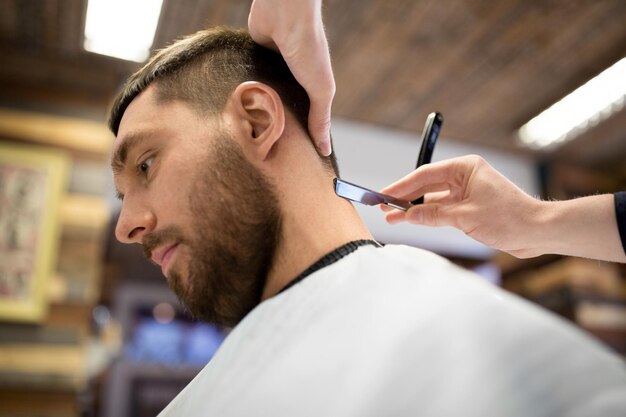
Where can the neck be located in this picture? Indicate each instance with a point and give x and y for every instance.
(315, 221)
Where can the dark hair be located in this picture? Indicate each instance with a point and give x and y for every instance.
(203, 69)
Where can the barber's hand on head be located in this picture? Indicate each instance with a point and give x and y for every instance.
(469, 194)
(295, 29)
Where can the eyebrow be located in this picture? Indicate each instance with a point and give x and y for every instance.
(118, 159)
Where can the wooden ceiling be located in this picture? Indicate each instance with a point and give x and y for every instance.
(488, 66)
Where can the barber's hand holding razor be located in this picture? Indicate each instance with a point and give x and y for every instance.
(470, 195)
(295, 29)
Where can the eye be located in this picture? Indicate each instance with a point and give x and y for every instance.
(144, 167)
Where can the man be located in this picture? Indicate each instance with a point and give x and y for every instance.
(224, 189)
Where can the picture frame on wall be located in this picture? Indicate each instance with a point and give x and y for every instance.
(33, 181)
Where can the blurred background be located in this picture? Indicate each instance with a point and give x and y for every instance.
(89, 328)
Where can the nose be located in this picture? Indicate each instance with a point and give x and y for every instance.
(134, 222)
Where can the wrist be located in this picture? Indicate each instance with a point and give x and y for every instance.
(549, 229)
(536, 229)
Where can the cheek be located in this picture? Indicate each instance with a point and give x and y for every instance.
(171, 191)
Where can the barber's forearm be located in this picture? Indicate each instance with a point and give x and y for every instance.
(585, 227)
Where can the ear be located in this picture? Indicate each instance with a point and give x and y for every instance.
(260, 117)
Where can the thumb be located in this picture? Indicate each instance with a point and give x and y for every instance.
(432, 214)
(319, 125)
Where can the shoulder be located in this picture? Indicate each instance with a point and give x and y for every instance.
(406, 274)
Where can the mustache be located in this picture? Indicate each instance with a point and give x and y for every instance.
(153, 240)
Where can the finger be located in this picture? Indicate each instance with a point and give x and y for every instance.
(433, 214)
(420, 214)
(435, 197)
(319, 125)
(438, 197)
(262, 39)
(259, 27)
(419, 192)
(313, 70)
(395, 216)
(451, 171)
(428, 214)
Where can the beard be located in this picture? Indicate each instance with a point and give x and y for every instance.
(237, 225)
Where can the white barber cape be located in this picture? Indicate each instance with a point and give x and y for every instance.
(398, 331)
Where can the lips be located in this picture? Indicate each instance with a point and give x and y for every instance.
(162, 256)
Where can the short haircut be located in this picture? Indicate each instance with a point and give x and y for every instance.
(203, 69)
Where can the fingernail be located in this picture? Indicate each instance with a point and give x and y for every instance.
(324, 148)
(391, 220)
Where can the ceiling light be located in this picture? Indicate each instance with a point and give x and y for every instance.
(120, 28)
(580, 110)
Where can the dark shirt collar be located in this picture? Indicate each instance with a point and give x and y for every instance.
(330, 258)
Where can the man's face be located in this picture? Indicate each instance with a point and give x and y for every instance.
(197, 205)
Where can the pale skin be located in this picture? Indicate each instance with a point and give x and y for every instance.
(295, 29)
(271, 140)
(469, 194)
